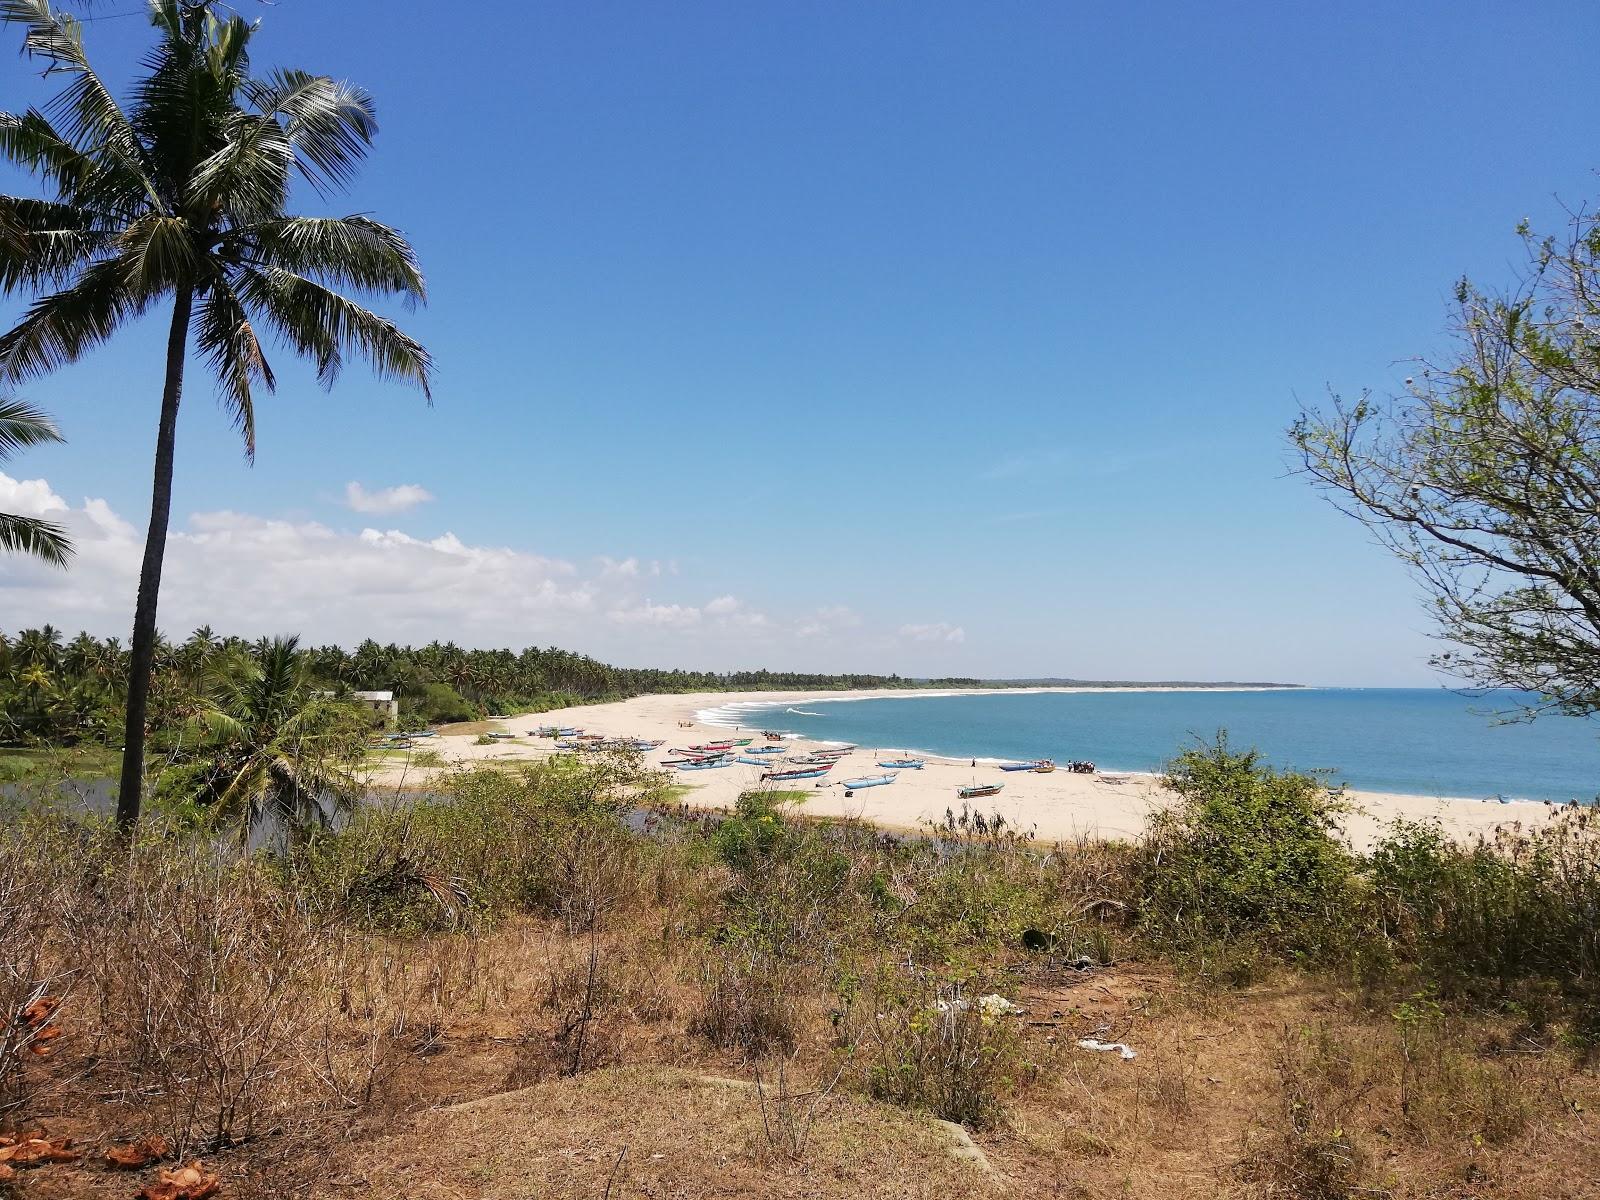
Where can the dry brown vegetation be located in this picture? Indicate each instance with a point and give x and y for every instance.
(513, 992)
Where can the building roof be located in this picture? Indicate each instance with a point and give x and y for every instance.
(384, 696)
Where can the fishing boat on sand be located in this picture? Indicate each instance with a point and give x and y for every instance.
(979, 790)
(704, 764)
(851, 785)
(1032, 765)
(902, 764)
(766, 750)
(802, 773)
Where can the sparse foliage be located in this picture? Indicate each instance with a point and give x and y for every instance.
(1484, 477)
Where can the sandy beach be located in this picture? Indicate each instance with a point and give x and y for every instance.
(1059, 806)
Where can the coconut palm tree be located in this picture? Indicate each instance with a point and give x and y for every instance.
(22, 426)
(269, 746)
(180, 198)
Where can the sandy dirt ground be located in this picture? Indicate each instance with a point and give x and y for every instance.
(1058, 807)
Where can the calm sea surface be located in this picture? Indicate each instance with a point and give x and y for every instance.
(1428, 742)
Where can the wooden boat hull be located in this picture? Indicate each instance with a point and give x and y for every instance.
(787, 776)
(978, 791)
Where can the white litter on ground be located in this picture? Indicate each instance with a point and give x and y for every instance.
(1122, 1048)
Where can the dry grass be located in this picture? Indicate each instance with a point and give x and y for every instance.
(649, 1131)
(643, 1018)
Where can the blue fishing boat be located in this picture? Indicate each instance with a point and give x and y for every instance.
(902, 764)
(851, 785)
(766, 750)
(753, 762)
(1022, 766)
(704, 764)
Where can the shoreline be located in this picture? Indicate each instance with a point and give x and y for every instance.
(713, 717)
(1057, 807)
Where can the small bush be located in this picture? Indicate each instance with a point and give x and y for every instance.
(204, 977)
(1309, 1152)
(1248, 858)
(1515, 922)
(551, 838)
(941, 1049)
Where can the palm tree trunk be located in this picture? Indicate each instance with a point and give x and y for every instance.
(142, 651)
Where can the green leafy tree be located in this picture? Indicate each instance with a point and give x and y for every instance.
(1484, 477)
(180, 198)
(20, 427)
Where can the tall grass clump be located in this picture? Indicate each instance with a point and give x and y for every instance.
(1512, 922)
(41, 861)
(939, 1047)
(1247, 867)
(789, 905)
(551, 838)
(204, 979)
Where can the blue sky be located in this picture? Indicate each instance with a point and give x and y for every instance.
(930, 338)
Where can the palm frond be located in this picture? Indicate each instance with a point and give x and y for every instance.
(248, 176)
(322, 324)
(59, 328)
(329, 123)
(158, 252)
(223, 333)
(30, 535)
(43, 243)
(97, 181)
(89, 115)
(28, 140)
(353, 251)
(22, 425)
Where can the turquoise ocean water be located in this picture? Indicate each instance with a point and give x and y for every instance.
(1423, 741)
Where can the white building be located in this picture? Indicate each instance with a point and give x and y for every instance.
(383, 704)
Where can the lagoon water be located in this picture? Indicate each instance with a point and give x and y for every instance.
(1420, 741)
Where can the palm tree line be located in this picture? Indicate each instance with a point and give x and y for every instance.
(56, 691)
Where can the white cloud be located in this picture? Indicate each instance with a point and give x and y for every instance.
(828, 620)
(249, 574)
(937, 631)
(385, 500)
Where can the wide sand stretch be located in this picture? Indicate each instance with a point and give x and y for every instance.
(1059, 806)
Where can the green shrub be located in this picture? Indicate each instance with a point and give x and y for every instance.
(549, 838)
(436, 704)
(940, 1049)
(1249, 862)
(1515, 921)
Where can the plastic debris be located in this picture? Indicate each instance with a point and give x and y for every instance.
(992, 1005)
(1122, 1048)
(996, 1005)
